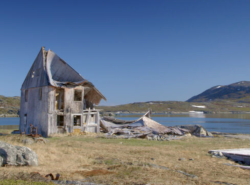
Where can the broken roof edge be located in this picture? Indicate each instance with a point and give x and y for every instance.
(84, 83)
(44, 60)
(96, 98)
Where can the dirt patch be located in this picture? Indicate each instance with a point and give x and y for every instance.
(94, 172)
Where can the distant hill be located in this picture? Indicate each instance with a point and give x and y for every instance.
(9, 105)
(221, 98)
(172, 107)
(237, 92)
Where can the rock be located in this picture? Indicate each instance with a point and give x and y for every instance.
(41, 140)
(188, 135)
(17, 155)
(197, 130)
(15, 132)
(187, 174)
(181, 159)
(191, 159)
(150, 137)
(28, 141)
(156, 138)
(217, 154)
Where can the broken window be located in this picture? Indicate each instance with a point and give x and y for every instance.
(60, 120)
(26, 95)
(93, 118)
(88, 104)
(59, 103)
(25, 119)
(77, 120)
(40, 93)
(78, 95)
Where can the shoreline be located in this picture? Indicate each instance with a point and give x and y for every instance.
(125, 113)
(9, 115)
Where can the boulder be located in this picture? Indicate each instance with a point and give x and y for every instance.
(28, 141)
(40, 140)
(17, 155)
(197, 130)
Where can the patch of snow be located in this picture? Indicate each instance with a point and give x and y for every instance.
(199, 106)
(218, 87)
(196, 112)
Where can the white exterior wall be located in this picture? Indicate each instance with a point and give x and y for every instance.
(43, 114)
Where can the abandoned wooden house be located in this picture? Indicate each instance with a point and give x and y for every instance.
(55, 98)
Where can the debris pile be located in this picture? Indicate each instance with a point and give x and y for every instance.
(145, 127)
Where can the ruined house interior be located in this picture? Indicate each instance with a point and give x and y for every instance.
(55, 98)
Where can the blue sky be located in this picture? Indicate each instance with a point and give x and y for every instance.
(132, 50)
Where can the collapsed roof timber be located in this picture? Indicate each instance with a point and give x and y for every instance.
(55, 98)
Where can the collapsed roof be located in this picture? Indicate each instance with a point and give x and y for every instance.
(49, 69)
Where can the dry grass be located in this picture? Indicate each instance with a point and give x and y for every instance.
(120, 161)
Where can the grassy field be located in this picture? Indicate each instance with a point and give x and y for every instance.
(120, 161)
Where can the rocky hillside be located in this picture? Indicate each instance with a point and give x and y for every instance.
(9, 106)
(236, 92)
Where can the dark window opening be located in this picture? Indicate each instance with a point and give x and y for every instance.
(88, 104)
(78, 95)
(60, 120)
(77, 120)
(25, 119)
(59, 103)
(40, 94)
(26, 95)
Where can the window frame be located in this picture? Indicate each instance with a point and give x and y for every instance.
(77, 95)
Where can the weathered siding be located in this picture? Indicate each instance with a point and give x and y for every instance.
(35, 109)
(37, 75)
(50, 109)
(71, 106)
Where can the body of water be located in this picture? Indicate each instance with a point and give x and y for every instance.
(9, 121)
(229, 123)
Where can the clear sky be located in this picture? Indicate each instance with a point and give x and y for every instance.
(131, 50)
